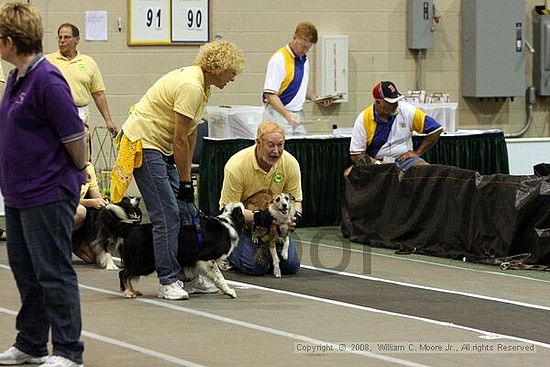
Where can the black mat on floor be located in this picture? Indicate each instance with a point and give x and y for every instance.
(491, 316)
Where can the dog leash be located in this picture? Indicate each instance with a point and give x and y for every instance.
(197, 219)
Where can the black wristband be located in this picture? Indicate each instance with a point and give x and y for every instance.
(186, 192)
(186, 185)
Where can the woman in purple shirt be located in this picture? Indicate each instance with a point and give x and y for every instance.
(42, 159)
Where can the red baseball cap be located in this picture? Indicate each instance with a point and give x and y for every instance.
(387, 91)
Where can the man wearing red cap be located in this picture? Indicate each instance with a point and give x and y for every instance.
(383, 131)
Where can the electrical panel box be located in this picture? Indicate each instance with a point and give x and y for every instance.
(420, 14)
(493, 61)
(541, 61)
(332, 66)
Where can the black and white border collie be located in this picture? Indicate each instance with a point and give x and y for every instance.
(200, 250)
(92, 231)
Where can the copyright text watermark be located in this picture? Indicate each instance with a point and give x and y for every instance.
(415, 347)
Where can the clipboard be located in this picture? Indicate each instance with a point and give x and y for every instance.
(331, 97)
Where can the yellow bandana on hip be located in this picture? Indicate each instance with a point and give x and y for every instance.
(130, 156)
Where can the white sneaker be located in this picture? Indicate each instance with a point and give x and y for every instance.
(14, 356)
(173, 291)
(58, 361)
(200, 285)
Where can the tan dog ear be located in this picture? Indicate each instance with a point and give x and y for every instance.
(292, 197)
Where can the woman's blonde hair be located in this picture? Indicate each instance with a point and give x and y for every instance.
(268, 127)
(23, 24)
(218, 56)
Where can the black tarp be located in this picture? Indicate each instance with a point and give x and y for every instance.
(449, 212)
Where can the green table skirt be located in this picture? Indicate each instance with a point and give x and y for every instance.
(322, 162)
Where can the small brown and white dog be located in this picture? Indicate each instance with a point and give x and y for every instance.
(282, 208)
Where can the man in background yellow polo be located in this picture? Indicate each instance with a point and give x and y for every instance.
(82, 75)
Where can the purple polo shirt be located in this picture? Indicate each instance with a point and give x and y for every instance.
(37, 117)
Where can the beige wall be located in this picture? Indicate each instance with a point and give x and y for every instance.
(377, 50)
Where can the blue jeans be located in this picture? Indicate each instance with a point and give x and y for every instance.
(158, 182)
(244, 255)
(39, 252)
(409, 162)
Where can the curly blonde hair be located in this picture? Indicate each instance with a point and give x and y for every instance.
(218, 56)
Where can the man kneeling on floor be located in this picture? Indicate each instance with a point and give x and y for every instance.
(265, 166)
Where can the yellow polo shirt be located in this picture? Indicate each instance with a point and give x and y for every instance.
(153, 120)
(2, 77)
(243, 177)
(82, 75)
(91, 184)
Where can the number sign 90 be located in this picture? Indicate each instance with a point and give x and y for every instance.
(194, 18)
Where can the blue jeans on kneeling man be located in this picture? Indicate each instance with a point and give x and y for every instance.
(243, 258)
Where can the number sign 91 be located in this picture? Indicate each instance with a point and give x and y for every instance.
(153, 17)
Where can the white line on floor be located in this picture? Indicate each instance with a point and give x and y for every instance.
(472, 295)
(211, 316)
(411, 285)
(441, 290)
(119, 343)
(401, 257)
(484, 333)
(146, 351)
(256, 327)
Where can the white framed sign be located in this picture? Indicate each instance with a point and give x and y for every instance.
(168, 22)
(192, 25)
